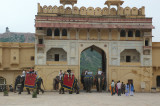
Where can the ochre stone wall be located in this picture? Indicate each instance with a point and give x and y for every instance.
(137, 74)
(48, 73)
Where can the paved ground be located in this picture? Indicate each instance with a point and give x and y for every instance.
(82, 99)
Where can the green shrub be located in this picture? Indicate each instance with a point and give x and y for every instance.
(5, 93)
(34, 95)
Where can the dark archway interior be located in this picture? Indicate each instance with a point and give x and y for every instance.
(158, 81)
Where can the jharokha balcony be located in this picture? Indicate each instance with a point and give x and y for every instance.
(147, 47)
(40, 45)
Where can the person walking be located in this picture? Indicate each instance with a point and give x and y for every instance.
(131, 89)
(123, 88)
(112, 87)
(119, 88)
(127, 89)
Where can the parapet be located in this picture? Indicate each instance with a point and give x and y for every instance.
(90, 11)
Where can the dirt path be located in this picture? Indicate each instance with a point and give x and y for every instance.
(82, 99)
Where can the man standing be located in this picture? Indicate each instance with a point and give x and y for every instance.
(112, 87)
(119, 88)
(123, 88)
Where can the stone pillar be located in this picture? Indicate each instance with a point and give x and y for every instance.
(118, 6)
(99, 34)
(88, 35)
(68, 34)
(134, 34)
(110, 34)
(77, 34)
(126, 34)
(53, 33)
(60, 33)
(119, 31)
(109, 7)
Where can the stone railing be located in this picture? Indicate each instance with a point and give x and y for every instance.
(90, 11)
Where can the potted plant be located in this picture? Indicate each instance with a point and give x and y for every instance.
(34, 95)
(5, 93)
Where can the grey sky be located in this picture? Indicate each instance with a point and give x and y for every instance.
(19, 15)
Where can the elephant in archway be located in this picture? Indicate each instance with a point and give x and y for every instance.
(100, 82)
(88, 82)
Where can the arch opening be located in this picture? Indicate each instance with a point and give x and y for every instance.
(56, 54)
(2, 84)
(158, 81)
(93, 59)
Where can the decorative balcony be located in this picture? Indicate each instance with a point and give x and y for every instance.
(40, 45)
(40, 33)
(147, 47)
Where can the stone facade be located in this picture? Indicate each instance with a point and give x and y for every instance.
(123, 37)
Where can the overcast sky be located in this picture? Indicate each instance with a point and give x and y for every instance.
(19, 15)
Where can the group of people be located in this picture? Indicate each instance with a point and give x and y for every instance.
(121, 88)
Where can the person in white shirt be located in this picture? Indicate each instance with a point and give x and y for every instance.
(112, 86)
(60, 75)
(119, 88)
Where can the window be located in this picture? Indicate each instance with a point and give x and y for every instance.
(40, 41)
(32, 58)
(64, 32)
(123, 33)
(130, 33)
(158, 81)
(56, 32)
(128, 58)
(146, 43)
(49, 32)
(56, 57)
(39, 28)
(138, 33)
(14, 58)
(2, 80)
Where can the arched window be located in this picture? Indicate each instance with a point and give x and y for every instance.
(158, 81)
(2, 84)
(56, 32)
(2, 80)
(64, 32)
(130, 33)
(49, 32)
(138, 33)
(123, 33)
(147, 42)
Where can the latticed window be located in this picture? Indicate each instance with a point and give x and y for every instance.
(2, 80)
(138, 33)
(49, 32)
(56, 32)
(123, 33)
(130, 33)
(64, 32)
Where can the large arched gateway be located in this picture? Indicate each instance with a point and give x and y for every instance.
(93, 59)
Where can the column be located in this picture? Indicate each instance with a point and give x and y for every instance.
(110, 34)
(99, 34)
(53, 33)
(68, 34)
(134, 34)
(60, 33)
(77, 34)
(118, 34)
(126, 34)
(88, 35)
